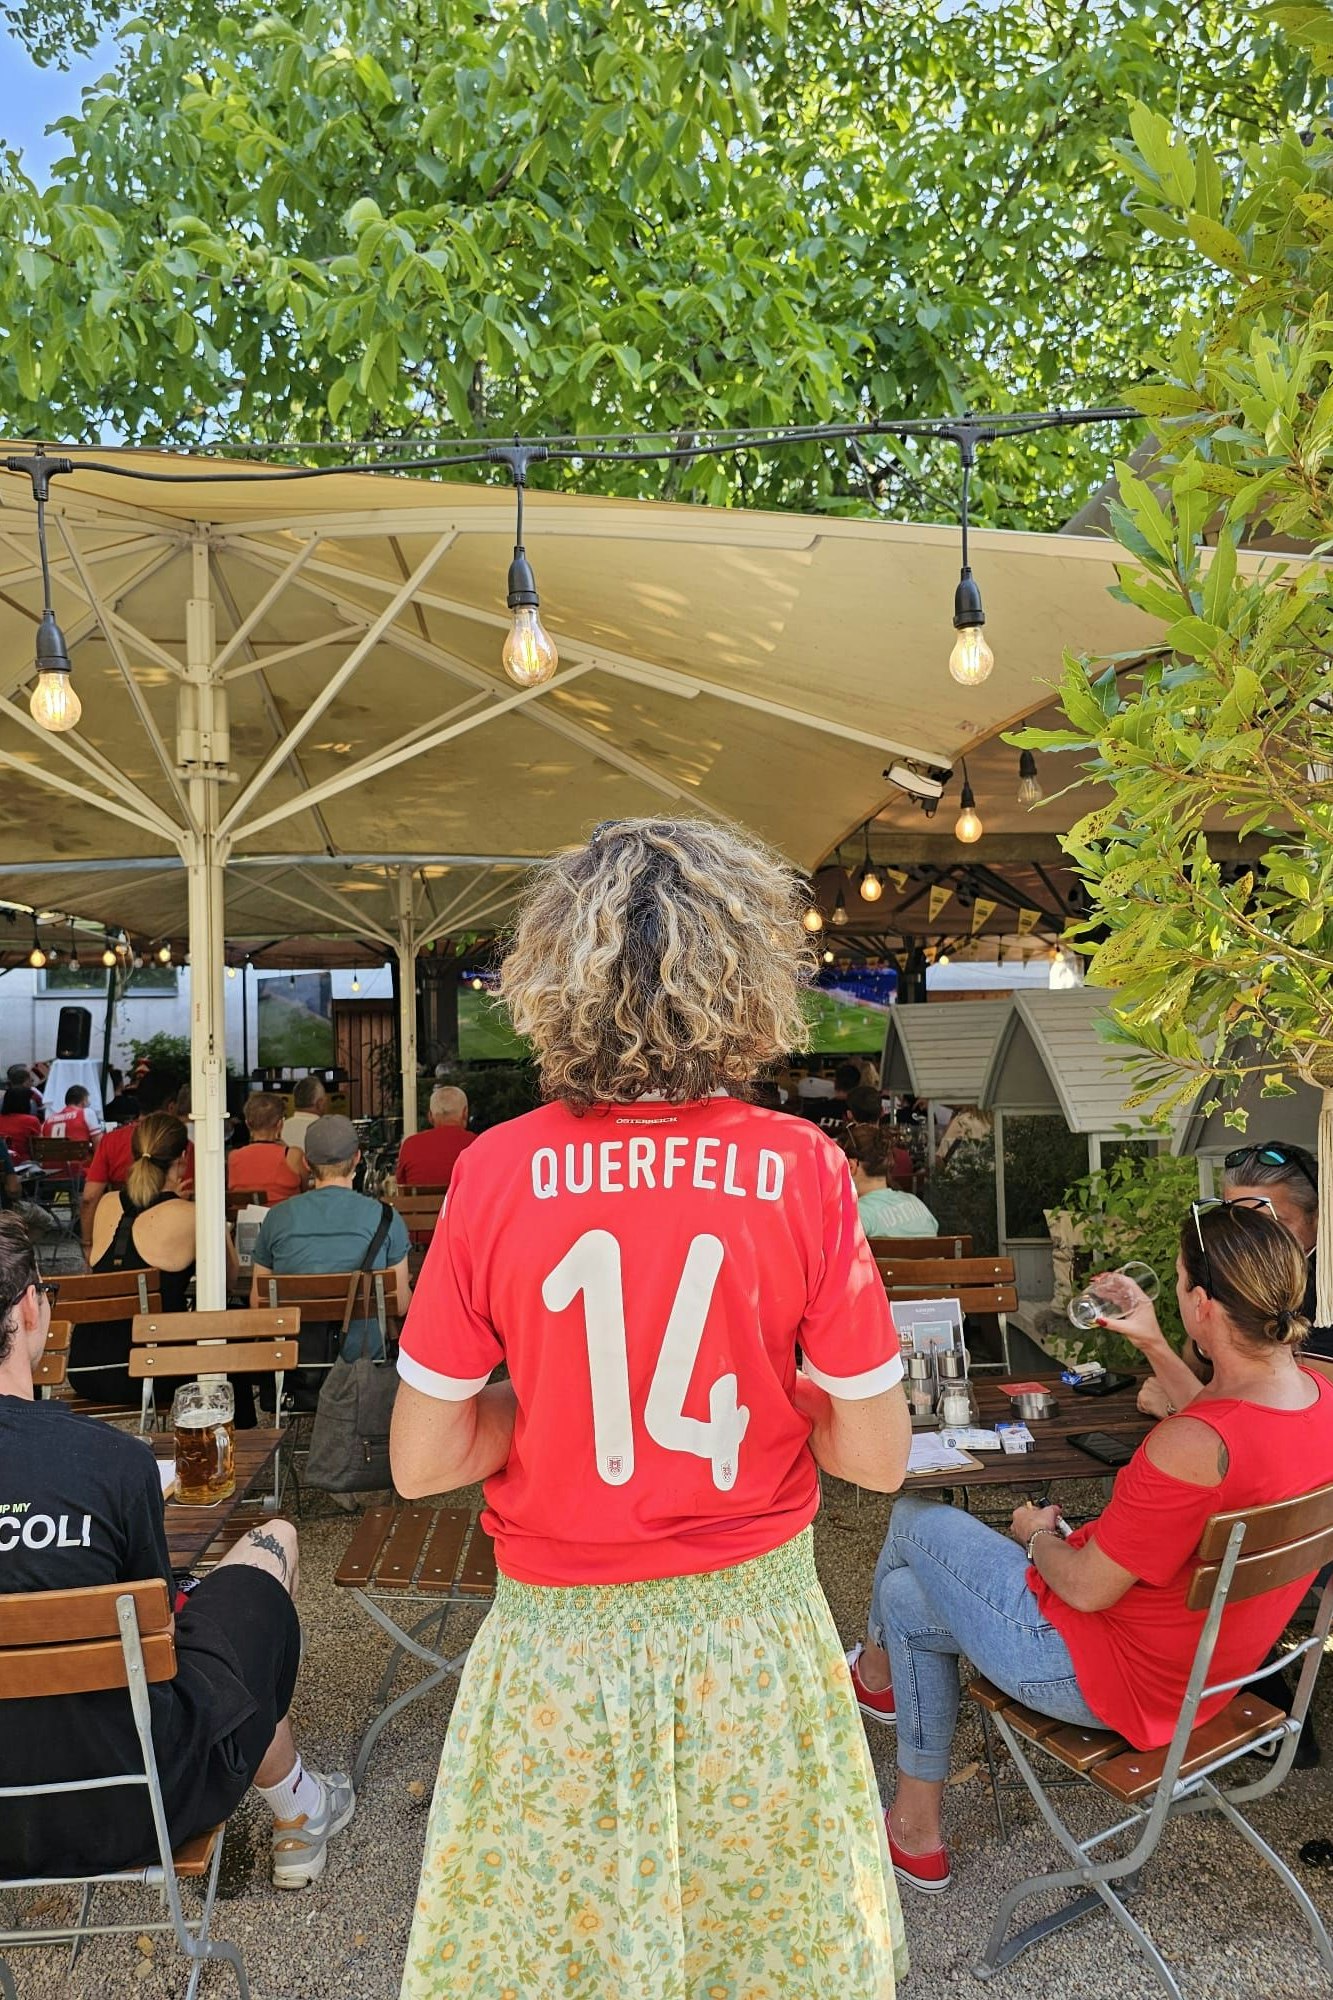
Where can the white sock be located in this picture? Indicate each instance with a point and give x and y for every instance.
(299, 1794)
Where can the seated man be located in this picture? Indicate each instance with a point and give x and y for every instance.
(83, 1505)
(261, 1166)
(427, 1159)
(333, 1228)
(72, 1121)
(309, 1102)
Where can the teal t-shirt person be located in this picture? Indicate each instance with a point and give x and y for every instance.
(330, 1228)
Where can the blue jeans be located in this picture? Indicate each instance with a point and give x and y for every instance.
(947, 1584)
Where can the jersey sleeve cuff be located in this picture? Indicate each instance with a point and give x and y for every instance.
(855, 1388)
(444, 1388)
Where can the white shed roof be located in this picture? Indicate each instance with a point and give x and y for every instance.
(1049, 1056)
(943, 1050)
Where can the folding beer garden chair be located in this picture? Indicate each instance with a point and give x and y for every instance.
(110, 1635)
(1240, 1556)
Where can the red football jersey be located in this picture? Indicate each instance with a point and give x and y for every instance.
(646, 1271)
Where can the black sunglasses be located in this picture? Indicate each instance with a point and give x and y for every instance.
(1198, 1209)
(1274, 1154)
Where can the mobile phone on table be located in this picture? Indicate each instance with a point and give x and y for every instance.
(1105, 1447)
(1103, 1385)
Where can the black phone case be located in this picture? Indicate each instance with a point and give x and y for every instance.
(1104, 1385)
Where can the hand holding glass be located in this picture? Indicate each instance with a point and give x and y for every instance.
(1113, 1295)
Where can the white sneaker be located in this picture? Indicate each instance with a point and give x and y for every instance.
(300, 1846)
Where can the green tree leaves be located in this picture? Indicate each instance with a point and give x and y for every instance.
(385, 220)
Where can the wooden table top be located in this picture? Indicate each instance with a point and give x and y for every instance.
(191, 1529)
(1053, 1457)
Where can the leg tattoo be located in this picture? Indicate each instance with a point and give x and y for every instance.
(272, 1546)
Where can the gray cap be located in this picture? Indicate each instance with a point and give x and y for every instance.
(329, 1140)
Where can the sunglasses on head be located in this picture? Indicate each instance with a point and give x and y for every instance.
(1275, 1154)
(1198, 1209)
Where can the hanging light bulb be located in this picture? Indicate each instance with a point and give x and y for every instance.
(529, 652)
(967, 827)
(476, 985)
(1029, 784)
(869, 883)
(164, 954)
(53, 702)
(839, 916)
(813, 920)
(231, 972)
(356, 983)
(971, 659)
(941, 958)
(36, 957)
(828, 957)
(109, 953)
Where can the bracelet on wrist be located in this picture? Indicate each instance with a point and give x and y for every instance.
(1036, 1536)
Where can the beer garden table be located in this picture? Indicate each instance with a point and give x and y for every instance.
(192, 1530)
(1053, 1457)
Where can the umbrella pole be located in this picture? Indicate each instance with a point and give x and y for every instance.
(108, 1022)
(407, 996)
(202, 754)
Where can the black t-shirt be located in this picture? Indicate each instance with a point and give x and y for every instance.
(80, 1504)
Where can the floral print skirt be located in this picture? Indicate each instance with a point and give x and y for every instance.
(658, 1791)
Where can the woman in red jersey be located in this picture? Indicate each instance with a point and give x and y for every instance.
(654, 1780)
(1095, 1630)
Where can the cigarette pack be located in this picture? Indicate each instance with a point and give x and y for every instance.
(1015, 1438)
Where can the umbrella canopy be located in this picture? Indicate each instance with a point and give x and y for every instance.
(294, 708)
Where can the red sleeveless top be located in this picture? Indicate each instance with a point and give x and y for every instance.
(1133, 1661)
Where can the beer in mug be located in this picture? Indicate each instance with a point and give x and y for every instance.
(203, 1418)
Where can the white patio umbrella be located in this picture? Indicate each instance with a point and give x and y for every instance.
(295, 716)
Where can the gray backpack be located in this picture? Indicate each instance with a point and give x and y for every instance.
(349, 1445)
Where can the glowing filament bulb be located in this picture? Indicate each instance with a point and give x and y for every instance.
(529, 652)
(971, 659)
(54, 703)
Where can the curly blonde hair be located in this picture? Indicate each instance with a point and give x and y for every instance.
(665, 956)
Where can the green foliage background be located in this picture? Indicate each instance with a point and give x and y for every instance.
(377, 220)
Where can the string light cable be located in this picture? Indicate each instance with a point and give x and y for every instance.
(529, 654)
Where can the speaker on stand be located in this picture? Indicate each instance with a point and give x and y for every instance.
(73, 1034)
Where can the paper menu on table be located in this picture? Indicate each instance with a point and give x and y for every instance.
(929, 1453)
(166, 1472)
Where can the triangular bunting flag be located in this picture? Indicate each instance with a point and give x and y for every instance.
(982, 912)
(1027, 921)
(939, 896)
(896, 876)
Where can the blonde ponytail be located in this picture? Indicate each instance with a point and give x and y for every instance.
(159, 1140)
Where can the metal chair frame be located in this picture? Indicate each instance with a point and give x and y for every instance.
(1195, 1792)
(192, 1936)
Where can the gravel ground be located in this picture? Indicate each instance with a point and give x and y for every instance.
(1224, 1923)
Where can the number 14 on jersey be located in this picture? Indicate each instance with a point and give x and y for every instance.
(592, 1267)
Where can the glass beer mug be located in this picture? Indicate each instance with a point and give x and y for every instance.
(203, 1418)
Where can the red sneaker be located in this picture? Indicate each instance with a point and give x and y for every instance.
(877, 1703)
(928, 1872)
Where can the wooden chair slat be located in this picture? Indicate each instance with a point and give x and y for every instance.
(1266, 1569)
(359, 1561)
(1028, 1723)
(57, 1336)
(95, 1312)
(1135, 1773)
(82, 1667)
(398, 1558)
(477, 1575)
(195, 1857)
(986, 1695)
(1265, 1527)
(58, 1617)
(315, 1288)
(972, 1299)
(51, 1370)
(244, 1323)
(218, 1357)
(950, 1271)
(1080, 1749)
(87, 1287)
(896, 1247)
(439, 1564)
